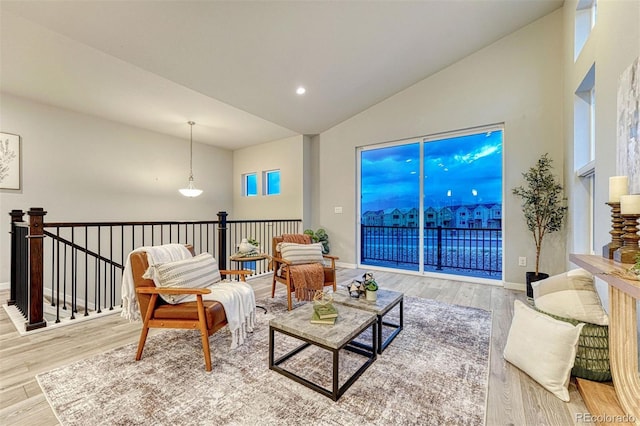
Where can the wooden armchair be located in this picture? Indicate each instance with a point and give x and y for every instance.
(208, 316)
(282, 274)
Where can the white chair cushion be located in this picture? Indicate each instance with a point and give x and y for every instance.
(299, 254)
(542, 347)
(197, 272)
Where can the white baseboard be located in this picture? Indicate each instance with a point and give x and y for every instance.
(515, 286)
(5, 286)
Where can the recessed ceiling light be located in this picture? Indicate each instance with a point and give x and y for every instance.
(301, 90)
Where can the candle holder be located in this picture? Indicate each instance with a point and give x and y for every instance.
(629, 250)
(616, 231)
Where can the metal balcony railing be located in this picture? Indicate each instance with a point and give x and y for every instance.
(476, 251)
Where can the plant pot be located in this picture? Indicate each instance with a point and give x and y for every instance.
(371, 295)
(531, 278)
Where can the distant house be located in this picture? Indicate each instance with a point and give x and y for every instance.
(478, 216)
(412, 218)
(446, 217)
(373, 218)
(393, 217)
(462, 217)
(431, 218)
(495, 217)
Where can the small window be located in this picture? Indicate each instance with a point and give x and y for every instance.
(272, 182)
(250, 185)
(585, 20)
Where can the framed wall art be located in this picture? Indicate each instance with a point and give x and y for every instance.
(9, 161)
(629, 126)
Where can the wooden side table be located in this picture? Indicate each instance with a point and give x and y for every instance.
(245, 259)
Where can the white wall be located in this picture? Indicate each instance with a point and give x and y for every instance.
(614, 43)
(82, 168)
(516, 81)
(286, 155)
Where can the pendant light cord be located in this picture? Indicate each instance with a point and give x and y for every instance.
(191, 123)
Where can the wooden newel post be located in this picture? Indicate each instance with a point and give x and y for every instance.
(222, 241)
(36, 281)
(16, 216)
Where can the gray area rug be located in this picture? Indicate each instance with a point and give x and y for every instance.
(434, 373)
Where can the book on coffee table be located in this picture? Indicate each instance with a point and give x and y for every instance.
(315, 319)
(326, 311)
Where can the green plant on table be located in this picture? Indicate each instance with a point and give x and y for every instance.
(369, 282)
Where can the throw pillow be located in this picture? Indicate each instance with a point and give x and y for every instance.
(299, 254)
(542, 347)
(570, 295)
(197, 272)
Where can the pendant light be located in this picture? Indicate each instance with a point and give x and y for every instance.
(190, 190)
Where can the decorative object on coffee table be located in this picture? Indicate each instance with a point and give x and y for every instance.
(323, 310)
(386, 301)
(370, 285)
(356, 289)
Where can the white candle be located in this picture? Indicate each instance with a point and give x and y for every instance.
(630, 204)
(618, 185)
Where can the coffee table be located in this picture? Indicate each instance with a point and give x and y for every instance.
(386, 300)
(349, 325)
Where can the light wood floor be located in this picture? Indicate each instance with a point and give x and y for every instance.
(513, 398)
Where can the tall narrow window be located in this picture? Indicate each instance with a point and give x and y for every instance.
(271, 182)
(250, 185)
(584, 162)
(585, 20)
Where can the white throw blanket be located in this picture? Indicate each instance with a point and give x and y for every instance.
(237, 297)
(155, 255)
(239, 302)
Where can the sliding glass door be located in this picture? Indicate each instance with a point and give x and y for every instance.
(390, 206)
(434, 205)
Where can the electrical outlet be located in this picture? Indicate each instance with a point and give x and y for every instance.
(522, 261)
(337, 210)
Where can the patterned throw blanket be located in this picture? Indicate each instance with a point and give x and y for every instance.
(307, 278)
(155, 254)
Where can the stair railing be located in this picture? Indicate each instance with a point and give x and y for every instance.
(79, 268)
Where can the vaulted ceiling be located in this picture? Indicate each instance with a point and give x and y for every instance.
(234, 66)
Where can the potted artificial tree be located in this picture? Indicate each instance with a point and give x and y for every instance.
(543, 209)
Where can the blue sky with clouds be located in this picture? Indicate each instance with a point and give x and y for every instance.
(469, 168)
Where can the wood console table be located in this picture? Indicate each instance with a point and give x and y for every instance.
(623, 332)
